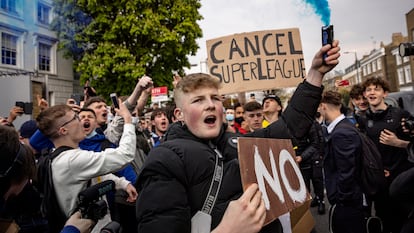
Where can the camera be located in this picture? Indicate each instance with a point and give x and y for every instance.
(26, 106)
(409, 124)
(406, 49)
(89, 202)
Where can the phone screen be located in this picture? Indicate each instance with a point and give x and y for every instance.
(114, 99)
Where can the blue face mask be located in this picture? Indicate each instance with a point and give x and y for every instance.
(229, 117)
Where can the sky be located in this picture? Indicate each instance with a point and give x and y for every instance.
(359, 25)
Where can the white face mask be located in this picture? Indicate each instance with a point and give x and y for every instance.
(229, 117)
(134, 120)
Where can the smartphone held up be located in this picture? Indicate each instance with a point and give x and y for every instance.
(327, 37)
(114, 99)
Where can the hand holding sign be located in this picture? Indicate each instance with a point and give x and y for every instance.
(244, 215)
(270, 164)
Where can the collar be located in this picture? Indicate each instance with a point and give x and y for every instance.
(92, 134)
(332, 125)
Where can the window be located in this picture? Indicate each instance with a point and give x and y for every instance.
(398, 59)
(407, 70)
(44, 57)
(400, 73)
(374, 66)
(8, 49)
(368, 68)
(8, 5)
(43, 12)
(379, 64)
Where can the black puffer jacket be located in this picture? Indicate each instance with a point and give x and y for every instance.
(176, 176)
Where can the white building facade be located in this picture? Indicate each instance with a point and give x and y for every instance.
(30, 63)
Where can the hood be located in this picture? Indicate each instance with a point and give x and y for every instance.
(93, 143)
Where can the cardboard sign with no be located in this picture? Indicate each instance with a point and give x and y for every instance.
(270, 163)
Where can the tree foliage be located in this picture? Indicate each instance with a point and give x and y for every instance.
(115, 42)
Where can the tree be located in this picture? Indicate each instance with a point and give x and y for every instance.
(115, 42)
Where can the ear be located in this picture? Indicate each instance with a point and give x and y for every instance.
(178, 113)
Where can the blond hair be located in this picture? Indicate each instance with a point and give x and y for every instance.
(193, 82)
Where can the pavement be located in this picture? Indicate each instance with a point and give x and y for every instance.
(321, 221)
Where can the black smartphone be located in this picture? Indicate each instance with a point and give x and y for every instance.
(114, 99)
(27, 107)
(327, 37)
(76, 97)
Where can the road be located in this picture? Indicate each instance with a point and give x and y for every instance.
(321, 221)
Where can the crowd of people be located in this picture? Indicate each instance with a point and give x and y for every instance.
(165, 162)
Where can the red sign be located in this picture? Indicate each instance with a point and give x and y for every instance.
(159, 94)
(156, 91)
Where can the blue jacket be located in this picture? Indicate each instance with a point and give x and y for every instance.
(70, 229)
(95, 144)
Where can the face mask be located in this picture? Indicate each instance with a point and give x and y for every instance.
(229, 117)
(239, 120)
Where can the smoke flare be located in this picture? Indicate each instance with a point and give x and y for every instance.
(322, 9)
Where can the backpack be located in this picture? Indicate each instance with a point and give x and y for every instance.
(369, 165)
(50, 207)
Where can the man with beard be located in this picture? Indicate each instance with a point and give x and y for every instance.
(175, 180)
(160, 124)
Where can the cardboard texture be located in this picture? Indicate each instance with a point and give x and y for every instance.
(270, 163)
(301, 219)
(260, 60)
(8, 226)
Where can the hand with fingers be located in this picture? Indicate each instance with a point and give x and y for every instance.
(244, 215)
(42, 103)
(82, 224)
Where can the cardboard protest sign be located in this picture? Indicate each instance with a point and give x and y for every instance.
(270, 163)
(259, 60)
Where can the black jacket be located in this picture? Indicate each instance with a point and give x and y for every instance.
(176, 176)
(342, 150)
(311, 147)
(393, 158)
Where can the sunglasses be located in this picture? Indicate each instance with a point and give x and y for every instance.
(75, 117)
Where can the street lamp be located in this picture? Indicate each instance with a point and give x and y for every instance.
(201, 65)
(356, 63)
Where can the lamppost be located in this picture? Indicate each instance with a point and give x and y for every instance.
(356, 64)
(201, 65)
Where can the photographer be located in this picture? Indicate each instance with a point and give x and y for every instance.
(77, 224)
(401, 188)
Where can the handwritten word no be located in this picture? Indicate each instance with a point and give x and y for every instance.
(274, 180)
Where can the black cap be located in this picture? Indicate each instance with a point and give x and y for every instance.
(274, 97)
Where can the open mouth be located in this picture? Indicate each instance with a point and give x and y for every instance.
(210, 120)
(86, 125)
(104, 115)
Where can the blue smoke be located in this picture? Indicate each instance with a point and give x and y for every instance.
(322, 9)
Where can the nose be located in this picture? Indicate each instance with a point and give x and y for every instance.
(210, 104)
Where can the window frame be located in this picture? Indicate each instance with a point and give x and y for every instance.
(53, 48)
(39, 10)
(19, 50)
